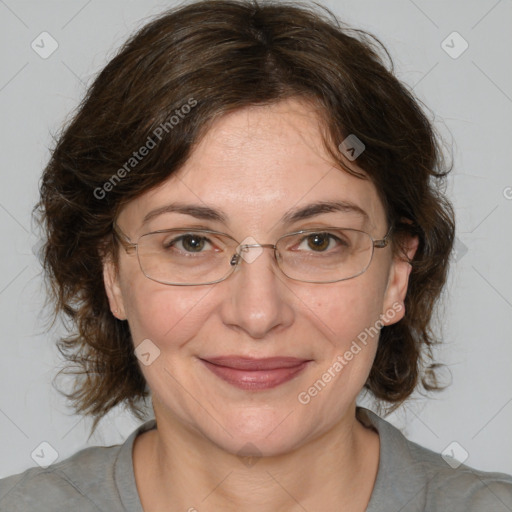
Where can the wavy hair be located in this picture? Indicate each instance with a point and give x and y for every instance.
(216, 56)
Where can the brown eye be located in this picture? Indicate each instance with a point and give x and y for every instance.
(318, 241)
(189, 242)
(193, 243)
(322, 243)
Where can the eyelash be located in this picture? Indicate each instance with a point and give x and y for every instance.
(173, 242)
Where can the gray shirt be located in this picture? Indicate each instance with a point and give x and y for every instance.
(410, 478)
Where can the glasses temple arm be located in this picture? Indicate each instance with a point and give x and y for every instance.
(128, 245)
(383, 242)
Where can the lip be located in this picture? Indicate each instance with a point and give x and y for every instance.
(255, 374)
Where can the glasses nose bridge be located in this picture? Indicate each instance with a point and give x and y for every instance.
(270, 246)
(241, 248)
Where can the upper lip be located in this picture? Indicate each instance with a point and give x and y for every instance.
(249, 363)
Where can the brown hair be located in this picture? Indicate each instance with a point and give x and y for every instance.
(215, 57)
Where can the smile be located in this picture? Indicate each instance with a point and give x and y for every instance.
(255, 374)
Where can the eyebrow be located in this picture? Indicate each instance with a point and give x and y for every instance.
(314, 209)
(197, 211)
(291, 216)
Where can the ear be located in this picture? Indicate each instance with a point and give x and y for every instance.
(398, 281)
(111, 281)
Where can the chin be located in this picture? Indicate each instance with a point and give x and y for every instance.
(259, 432)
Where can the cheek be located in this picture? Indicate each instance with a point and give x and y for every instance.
(163, 314)
(348, 317)
(342, 311)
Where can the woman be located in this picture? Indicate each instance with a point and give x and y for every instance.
(245, 223)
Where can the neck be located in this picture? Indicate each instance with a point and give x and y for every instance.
(336, 471)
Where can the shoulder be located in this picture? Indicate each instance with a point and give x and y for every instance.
(412, 478)
(461, 487)
(96, 479)
(72, 484)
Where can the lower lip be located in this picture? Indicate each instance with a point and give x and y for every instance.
(255, 379)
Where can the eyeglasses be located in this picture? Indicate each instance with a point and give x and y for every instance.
(191, 257)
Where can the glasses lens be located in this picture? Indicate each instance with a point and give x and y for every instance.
(188, 257)
(325, 256)
(182, 256)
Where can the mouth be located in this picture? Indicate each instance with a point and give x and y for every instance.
(255, 374)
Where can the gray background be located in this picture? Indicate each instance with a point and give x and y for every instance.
(470, 98)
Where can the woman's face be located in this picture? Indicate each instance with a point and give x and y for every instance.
(254, 166)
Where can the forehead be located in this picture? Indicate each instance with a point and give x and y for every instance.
(255, 165)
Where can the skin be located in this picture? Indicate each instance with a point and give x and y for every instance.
(255, 164)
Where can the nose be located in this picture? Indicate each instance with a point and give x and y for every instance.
(257, 298)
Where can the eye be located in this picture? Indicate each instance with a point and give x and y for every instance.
(321, 242)
(190, 242)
